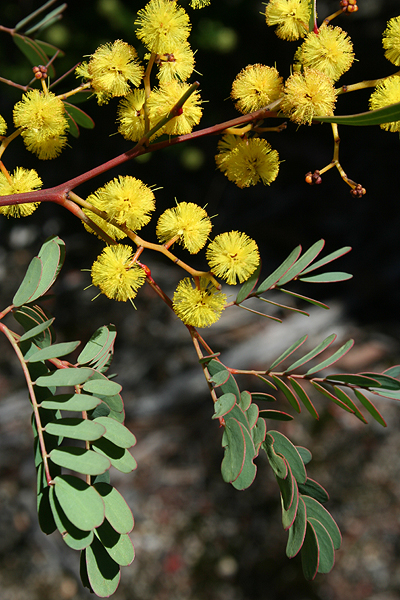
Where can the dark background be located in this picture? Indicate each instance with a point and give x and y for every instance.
(196, 537)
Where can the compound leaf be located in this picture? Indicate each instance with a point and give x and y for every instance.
(329, 258)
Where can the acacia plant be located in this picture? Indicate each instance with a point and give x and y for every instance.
(159, 105)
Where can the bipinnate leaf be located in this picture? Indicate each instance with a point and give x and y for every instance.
(325, 546)
(302, 262)
(223, 405)
(288, 352)
(117, 513)
(77, 429)
(65, 377)
(248, 286)
(297, 531)
(290, 396)
(30, 282)
(310, 553)
(116, 432)
(316, 511)
(72, 402)
(102, 571)
(53, 351)
(120, 458)
(272, 279)
(313, 353)
(303, 397)
(81, 503)
(283, 446)
(80, 460)
(75, 538)
(118, 545)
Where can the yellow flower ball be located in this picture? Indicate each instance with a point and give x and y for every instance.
(198, 303)
(233, 256)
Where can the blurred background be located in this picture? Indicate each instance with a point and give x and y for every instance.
(195, 536)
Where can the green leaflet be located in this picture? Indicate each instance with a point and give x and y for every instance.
(223, 405)
(313, 353)
(297, 531)
(65, 377)
(288, 352)
(73, 402)
(286, 487)
(314, 489)
(118, 513)
(288, 393)
(277, 462)
(230, 386)
(310, 553)
(388, 114)
(81, 503)
(325, 545)
(248, 286)
(235, 449)
(304, 397)
(302, 262)
(102, 386)
(101, 342)
(53, 351)
(80, 460)
(102, 571)
(316, 511)
(75, 538)
(289, 515)
(118, 545)
(120, 458)
(285, 447)
(272, 279)
(116, 432)
(30, 283)
(77, 429)
(34, 331)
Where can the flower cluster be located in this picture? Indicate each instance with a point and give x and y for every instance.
(256, 86)
(308, 94)
(233, 256)
(290, 16)
(198, 303)
(387, 92)
(43, 123)
(116, 275)
(247, 161)
(21, 181)
(187, 224)
(111, 70)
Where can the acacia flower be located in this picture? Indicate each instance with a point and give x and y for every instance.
(21, 181)
(329, 51)
(112, 231)
(199, 305)
(291, 17)
(112, 68)
(3, 125)
(386, 92)
(391, 41)
(199, 3)
(162, 26)
(233, 256)
(115, 275)
(179, 64)
(131, 116)
(249, 161)
(127, 200)
(308, 94)
(256, 86)
(163, 99)
(187, 222)
(43, 121)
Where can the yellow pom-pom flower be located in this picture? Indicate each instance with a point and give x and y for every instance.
(115, 275)
(162, 26)
(307, 95)
(43, 121)
(290, 16)
(188, 223)
(163, 99)
(3, 126)
(112, 231)
(179, 65)
(112, 69)
(391, 41)
(198, 305)
(127, 200)
(248, 162)
(256, 86)
(387, 92)
(20, 182)
(329, 51)
(233, 256)
(131, 116)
